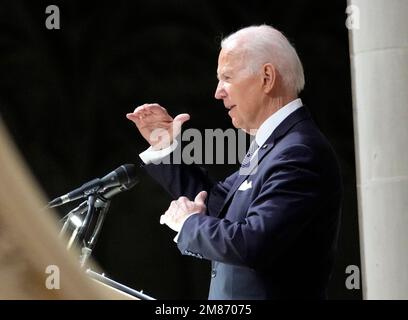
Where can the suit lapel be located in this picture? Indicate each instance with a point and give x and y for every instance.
(295, 117)
(242, 177)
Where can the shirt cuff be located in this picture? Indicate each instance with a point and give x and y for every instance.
(182, 224)
(153, 156)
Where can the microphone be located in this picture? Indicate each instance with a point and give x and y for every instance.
(103, 197)
(122, 177)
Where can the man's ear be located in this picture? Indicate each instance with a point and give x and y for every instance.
(269, 77)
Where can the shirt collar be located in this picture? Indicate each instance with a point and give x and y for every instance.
(270, 124)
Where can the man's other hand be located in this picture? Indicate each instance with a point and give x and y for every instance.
(181, 209)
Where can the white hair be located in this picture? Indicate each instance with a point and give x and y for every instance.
(264, 44)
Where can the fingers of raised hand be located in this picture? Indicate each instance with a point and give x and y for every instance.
(157, 109)
(152, 113)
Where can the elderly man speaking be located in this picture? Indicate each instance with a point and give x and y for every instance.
(270, 230)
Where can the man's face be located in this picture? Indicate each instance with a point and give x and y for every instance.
(240, 90)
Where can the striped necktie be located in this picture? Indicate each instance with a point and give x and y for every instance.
(250, 153)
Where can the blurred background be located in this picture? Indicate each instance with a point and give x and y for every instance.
(64, 95)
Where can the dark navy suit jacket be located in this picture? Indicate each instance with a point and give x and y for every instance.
(276, 239)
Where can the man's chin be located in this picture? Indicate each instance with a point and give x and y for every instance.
(236, 123)
(251, 132)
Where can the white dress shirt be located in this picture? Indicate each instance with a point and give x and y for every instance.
(270, 124)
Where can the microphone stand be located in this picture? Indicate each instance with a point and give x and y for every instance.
(89, 245)
(83, 231)
(96, 204)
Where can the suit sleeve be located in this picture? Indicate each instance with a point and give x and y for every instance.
(285, 205)
(188, 180)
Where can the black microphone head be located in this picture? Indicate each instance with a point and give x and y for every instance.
(131, 184)
(109, 193)
(124, 175)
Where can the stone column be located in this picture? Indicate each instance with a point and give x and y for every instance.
(379, 69)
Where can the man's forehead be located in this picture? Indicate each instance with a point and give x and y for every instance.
(230, 53)
(229, 59)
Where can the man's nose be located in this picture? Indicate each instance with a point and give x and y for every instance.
(220, 92)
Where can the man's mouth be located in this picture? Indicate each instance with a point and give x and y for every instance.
(230, 109)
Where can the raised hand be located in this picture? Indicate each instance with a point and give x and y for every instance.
(156, 125)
